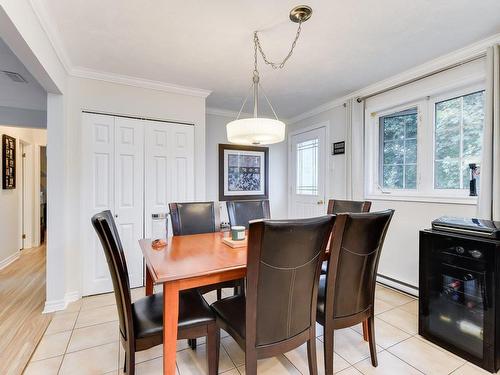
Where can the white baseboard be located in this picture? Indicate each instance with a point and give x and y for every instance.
(10, 259)
(398, 285)
(61, 304)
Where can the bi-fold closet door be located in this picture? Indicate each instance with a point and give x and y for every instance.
(134, 168)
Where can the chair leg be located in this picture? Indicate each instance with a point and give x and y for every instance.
(129, 365)
(365, 330)
(328, 344)
(311, 356)
(192, 343)
(213, 345)
(371, 340)
(219, 294)
(250, 362)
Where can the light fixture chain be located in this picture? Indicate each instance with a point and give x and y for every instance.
(264, 57)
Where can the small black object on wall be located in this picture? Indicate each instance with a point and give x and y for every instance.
(243, 172)
(338, 148)
(8, 162)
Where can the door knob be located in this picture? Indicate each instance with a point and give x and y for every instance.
(320, 202)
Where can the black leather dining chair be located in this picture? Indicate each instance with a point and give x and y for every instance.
(197, 218)
(278, 312)
(141, 322)
(242, 212)
(338, 206)
(347, 292)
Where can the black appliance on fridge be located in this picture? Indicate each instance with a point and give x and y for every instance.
(459, 288)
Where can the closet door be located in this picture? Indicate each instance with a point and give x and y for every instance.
(129, 193)
(98, 170)
(113, 179)
(169, 170)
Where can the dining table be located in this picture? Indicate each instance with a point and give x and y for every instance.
(186, 262)
(190, 261)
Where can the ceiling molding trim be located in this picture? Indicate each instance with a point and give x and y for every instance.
(138, 82)
(52, 32)
(464, 53)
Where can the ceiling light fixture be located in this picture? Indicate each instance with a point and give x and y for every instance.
(260, 130)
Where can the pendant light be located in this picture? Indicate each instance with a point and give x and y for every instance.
(258, 130)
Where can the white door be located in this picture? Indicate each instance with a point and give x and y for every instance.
(113, 175)
(307, 162)
(169, 170)
(98, 162)
(129, 193)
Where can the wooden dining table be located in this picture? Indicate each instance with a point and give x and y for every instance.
(187, 262)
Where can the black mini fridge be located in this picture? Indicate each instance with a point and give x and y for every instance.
(459, 288)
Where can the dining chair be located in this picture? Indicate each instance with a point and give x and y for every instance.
(141, 322)
(337, 206)
(347, 292)
(242, 212)
(197, 218)
(278, 312)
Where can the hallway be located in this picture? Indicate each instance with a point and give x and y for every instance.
(22, 297)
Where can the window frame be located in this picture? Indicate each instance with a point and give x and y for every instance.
(425, 190)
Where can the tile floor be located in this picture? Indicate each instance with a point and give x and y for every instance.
(84, 340)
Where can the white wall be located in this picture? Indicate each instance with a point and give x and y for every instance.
(112, 98)
(216, 133)
(11, 200)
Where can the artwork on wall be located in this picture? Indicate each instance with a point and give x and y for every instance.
(8, 162)
(243, 172)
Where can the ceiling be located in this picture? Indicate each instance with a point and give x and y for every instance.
(29, 95)
(345, 46)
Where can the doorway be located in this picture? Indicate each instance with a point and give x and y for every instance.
(307, 174)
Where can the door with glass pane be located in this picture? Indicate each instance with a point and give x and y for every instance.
(308, 171)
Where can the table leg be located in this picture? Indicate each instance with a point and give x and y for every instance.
(149, 283)
(170, 321)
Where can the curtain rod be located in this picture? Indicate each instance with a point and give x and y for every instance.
(430, 74)
(139, 118)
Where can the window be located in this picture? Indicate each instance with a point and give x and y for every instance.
(423, 149)
(458, 137)
(398, 153)
(307, 167)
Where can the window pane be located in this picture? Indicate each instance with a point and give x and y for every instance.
(411, 151)
(394, 152)
(307, 167)
(411, 176)
(447, 174)
(458, 139)
(393, 176)
(398, 154)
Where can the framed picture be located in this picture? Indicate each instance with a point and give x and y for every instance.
(243, 172)
(8, 162)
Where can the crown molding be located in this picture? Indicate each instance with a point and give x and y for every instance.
(464, 53)
(138, 82)
(51, 31)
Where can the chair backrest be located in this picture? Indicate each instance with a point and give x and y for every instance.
(242, 212)
(352, 269)
(193, 218)
(337, 206)
(283, 267)
(105, 226)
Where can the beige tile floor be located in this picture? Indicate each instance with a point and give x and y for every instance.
(84, 340)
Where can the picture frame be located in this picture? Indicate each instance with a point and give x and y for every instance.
(8, 162)
(243, 172)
